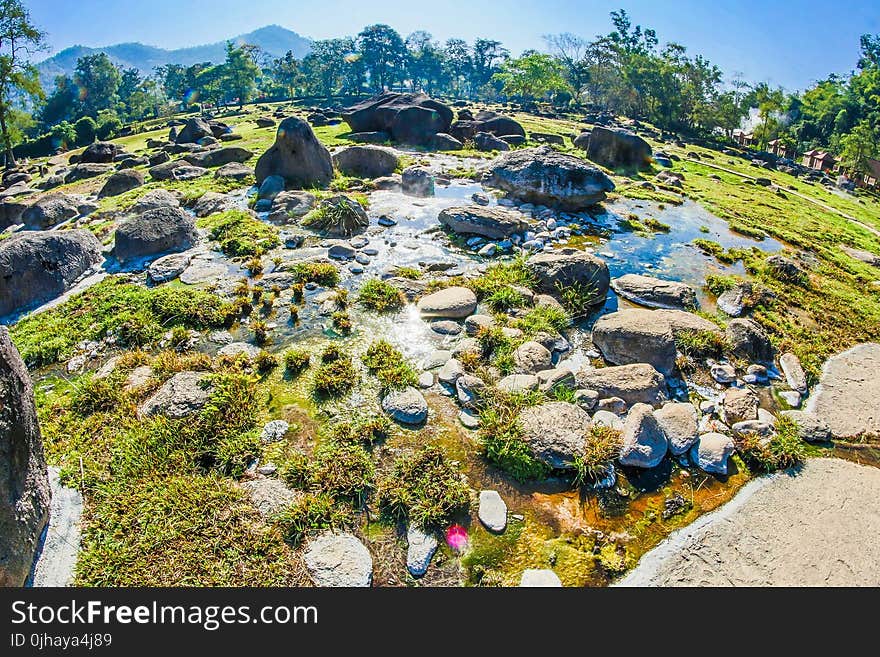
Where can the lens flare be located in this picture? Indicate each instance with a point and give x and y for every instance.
(457, 538)
(191, 96)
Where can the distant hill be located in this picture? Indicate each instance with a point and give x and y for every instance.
(274, 39)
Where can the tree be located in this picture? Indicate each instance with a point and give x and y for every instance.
(286, 73)
(98, 80)
(459, 66)
(384, 55)
(533, 76)
(326, 66)
(857, 147)
(239, 73)
(571, 50)
(19, 39)
(486, 60)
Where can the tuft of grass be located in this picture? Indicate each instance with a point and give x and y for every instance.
(501, 276)
(601, 447)
(578, 298)
(712, 248)
(335, 378)
(368, 429)
(412, 273)
(265, 362)
(296, 360)
(310, 514)
(323, 273)
(389, 366)
(784, 449)
(342, 322)
(702, 344)
(240, 233)
(656, 225)
(380, 296)
(547, 319)
(501, 438)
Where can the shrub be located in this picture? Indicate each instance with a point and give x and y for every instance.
(380, 355)
(85, 130)
(335, 378)
(424, 487)
(342, 322)
(784, 449)
(381, 296)
(332, 352)
(309, 514)
(602, 446)
(296, 360)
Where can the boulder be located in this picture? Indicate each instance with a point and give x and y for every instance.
(655, 293)
(417, 181)
(169, 267)
(635, 336)
(216, 157)
(749, 341)
(339, 216)
(154, 232)
(86, 171)
(613, 148)
(366, 161)
(449, 303)
(292, 205)
(213, 202)
(848, 392)
(121, 182)
(24, 480)
(234, 171)
(492, 511)
(738, 405)
(644, 442)
(183, 395)
(712, 452)
(532, 357)
(407, 118)
(486, 141)
(11, 212)
(36, 267)
(444, 142)
(157, 198)
(194, 130)
(565, 268)
(682, 322)
(297, 156)
(678, 422)
(637, 383)
(811, 427)
(407, 406)
(338, 560)
(555, 432)
(50, 210)
(544, 176)
(494, 223)
(489, 122)
(421, 547)
(795, 376)
(271, 187)
(518, 383)
(370, 137)
(100, 152)
(166, 170)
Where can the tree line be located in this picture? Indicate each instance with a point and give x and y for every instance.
(626, 71)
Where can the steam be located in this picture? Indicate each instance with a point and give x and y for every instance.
(751, 122)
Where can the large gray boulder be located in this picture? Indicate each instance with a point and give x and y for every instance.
(338, 560)
(450, 303)
(613, 148)
(216, 157)
(50, 210)
(121, 182)
(156, 198)
(494, 223)
(194, 130)
(635, 336)
(654, 292)
(644, 443)
(848, 395)
(184, 394)
(407, 118)
(542, 175)
(24, 482)
(555, 432)
(563, 269)
(407, 406)
(366, 161)
(678, 422)
(37, 267)
(99, 152)
(486, 122)
(155, 231)
(749, 340)
(635, 383)
(297, 156)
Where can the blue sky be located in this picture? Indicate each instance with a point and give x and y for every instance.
(789, 43)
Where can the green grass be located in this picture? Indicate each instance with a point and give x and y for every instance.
(389, 366)
(501, 437)
(548, 319)
(601, 448)
(785, 449)
(296, 361)
(240, 233)
(323, 273)
(380, 296)
(334, 378)
(311, 514)
(702, 344)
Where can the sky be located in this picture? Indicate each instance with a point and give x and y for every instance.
(788, 43)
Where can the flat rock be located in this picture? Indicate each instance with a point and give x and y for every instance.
(182, 395)
(634, 383)
(492, 511)
(339, 560)
(407, 406)
(494, 223)
(848, 395)
(420, 549)
(555, 432)
(451, 303)
(794, 373)
(636, 336)
(811, 427)
(168, 267)
(654, 292)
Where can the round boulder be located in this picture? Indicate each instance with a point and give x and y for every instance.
(297, 156)
(450, 303)
(555, 432)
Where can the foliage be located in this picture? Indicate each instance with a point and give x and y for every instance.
(296, 360)
(380, 296)
(389, 366)
(335, 377)
(784, 449)
(240, 233)
(601, 447)
(310, 514)
(501, 437)
(322, 273)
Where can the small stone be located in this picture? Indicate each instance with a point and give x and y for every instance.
(539, 578)
(421, 547)
(274, 431)
(469, 420)
(426, 379)
(723, 373)
(407, 406)
(446, 327)
(613, 405)
(791, 397)
(339, 560)
(492, 511)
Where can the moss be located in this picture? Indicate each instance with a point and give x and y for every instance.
(389, 366)
(380, 296)
(335, 378)
(240, 233)
(322, 273)
(296, 360)
(342, 322)
(311, 514)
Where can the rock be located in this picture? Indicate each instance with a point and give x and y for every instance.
(555, 432)
(182, 395)
(786, 269)
(738, 404)
(154, 232)
(493, 223)
(99, 152)
(264, 122)
(450, 303)
(756, 427)
(566, 268)
(297, 156)
(607, 419)
(157, 198)
(614, 405)
(269, 495)
(489, 122)
(366, 161)
(553, 378)
(274, 431)
(492, 511)
(38, 266)
(723, 372)
(863, 256)
(417, 181)
(342, 217)
(212, 203)
(486, 141)
(539, 578)
(848, 392)
(233, 349)
(543, 176)
(370, 137)
(655, 293)
(712, 452)
(446, 327)
(195, 129)
(341, 251)
(270, 188)
(216, 157)
(426, 380)
(444, 142)
(49, 211)
(234, 171)
(678, 422)
(518, 383)
(407, 406)
(794, 373)
(407, 118)
(469, 420)
(421, 547)
(138, 377)
(168, 267)
(613, 148)
(586, 399)
(11, 212)
(24, 480)
(736, 300)
(474, 323)
(636, 336)
(338, 560)
(644, 442)
(811, 427)
(121, 182)
(450, 372)
(749, 341)
(166, 170)
(86, 171)
(469, 390)
(532, 357)
(637, 383)
(682, 322)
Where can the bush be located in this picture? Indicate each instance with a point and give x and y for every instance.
(425, 488)
(784, 449)
(108, 124)
(86, 130)
(335, 378)
(296, 360)
(381, 296)
(602, 446)
(332, 352)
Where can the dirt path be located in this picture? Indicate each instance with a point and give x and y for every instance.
(818, 527)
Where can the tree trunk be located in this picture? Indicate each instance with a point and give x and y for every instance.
(7, 142)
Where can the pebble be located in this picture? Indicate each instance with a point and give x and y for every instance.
(426, 380)
(469, 420)
(791, 397)
(492, 511)
(387, 221)
(421, 547)
(274, 431)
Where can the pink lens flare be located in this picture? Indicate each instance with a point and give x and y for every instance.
(457, 538)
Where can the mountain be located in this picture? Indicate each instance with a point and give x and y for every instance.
(273, 39)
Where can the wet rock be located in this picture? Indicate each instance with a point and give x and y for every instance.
(421, 547)
(555, 432)
(749, 340)
(451, 303)
(121, 182)
(169, 267)
(154, 232)
(712, 452)
(532, 357)
(634, 383)
(24, 481)
(469, 390)
(811, 427)
(492, 511)
(274, 431)
(269, 495)
(297, 156)
(541, 175)
(341, 251)
(36, 267)
(407, 406)
(794, 373)
(338, 560)
(738, 404)
(644, 443)
(417, 181)
(49, 211)
(566, 268)
(474, 323)
(613, 148)
(848, 392)
(539, 578)
(366, 161)
(636, 336)
(182, 395)
(446, 327)
(678, 422)
(655, 293)
(493, 223)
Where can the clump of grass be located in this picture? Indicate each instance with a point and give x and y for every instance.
(501, 437)
(335, 377)
(425, 487)
(411, 273)
(505, 298)
(311, 513)
(296, 360)
(717, 284)
(368, 429)
(389, 366)
(578, 298)
(332, 352)
(547, 319)
(265, 362)
(702, 343)
(240, 233)
(498, 279)
(656, 225)
(712, 248)
(601, 447)
(323, 273)
(260, 330)
(342, 322)
(380, 296)
(96, 395)
(342, 470)
(784, 449)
